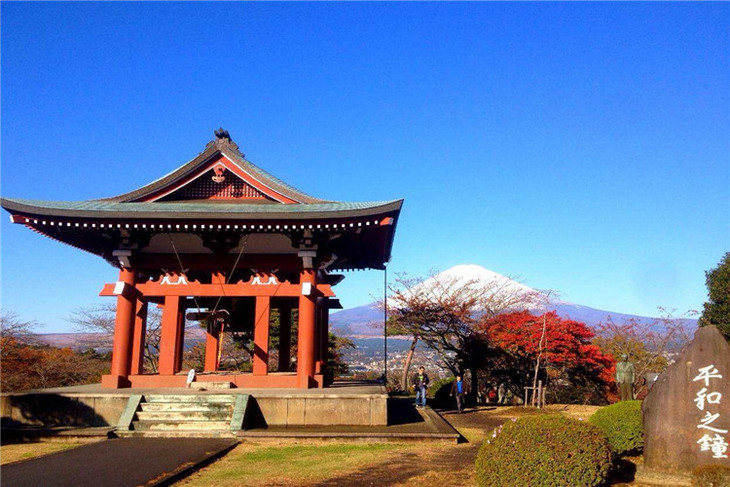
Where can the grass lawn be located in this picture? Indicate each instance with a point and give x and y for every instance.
(575, 411)
(24, 451)
(252, 464)
(403, 465)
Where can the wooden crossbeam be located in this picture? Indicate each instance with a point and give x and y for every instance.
(153, 289)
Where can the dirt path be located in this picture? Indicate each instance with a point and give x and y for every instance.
(409, 467)
(443, 465)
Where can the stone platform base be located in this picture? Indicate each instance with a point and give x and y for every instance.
(646, 476)
(344, 403)
(274, 380)
(412, 425)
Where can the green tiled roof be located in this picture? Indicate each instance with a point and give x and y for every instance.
(197, 209)
(230, 150)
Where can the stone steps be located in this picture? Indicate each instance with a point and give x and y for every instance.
(190, 398)
(182, 407)
(201, 425)
(176, 434)
(183, 415)
(220, 415)
(206, 386)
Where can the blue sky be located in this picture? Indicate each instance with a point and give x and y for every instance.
(580, 147)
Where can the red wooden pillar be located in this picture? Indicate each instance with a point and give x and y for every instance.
(318, 337)
(138, 344)
(180, 342)
(170, 329)
(123, 333)
(211, 350)
(213, 337)
(306, 345)
(324, 335)
(261, 336)
(284, 338)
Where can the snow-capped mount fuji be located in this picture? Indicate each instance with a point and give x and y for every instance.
(473, 276)
(367, 320)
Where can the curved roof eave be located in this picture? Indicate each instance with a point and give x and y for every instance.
(233, 155)
(106, 209)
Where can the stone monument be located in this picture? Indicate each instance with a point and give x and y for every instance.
(687, 412)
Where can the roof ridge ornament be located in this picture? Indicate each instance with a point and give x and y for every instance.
(223, 139)
(222, 134)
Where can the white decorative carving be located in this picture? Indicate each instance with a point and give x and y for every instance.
(271, 282)
(180, 280)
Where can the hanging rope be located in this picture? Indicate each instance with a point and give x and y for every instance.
(230, 274)
(219, 344)
(182, 269)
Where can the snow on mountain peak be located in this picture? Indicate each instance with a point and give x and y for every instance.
(475, 276)
(480, 275)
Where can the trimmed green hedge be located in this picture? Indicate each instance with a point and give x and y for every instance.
(622, 424)
(546, 451)
(439, 392)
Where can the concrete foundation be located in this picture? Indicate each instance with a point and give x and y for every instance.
(345, 404)
(53, 410)
(323, 409)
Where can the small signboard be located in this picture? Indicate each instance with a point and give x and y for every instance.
(191, 377)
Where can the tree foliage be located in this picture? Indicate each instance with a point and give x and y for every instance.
(569, 358)
(623, 426)
(444, 312)
(98, 323)
(716, 310)
(648, 344)
(336, 346)
(544, 450)
(27, 364)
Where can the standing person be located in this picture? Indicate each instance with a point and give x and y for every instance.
(459, 388)
(420, 383)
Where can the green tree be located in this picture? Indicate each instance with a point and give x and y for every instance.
(337, 346)
(716, 310)
(648, 343)
(443, 311)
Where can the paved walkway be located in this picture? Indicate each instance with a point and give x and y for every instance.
(127, 462)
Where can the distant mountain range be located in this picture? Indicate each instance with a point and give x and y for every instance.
(367, 320)
(103, 341)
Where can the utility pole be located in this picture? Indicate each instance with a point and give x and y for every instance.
(385, 324)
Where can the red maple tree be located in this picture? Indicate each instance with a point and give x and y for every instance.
(570, 359)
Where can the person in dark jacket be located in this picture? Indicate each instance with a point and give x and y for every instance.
(460, 389)
(420, 383)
